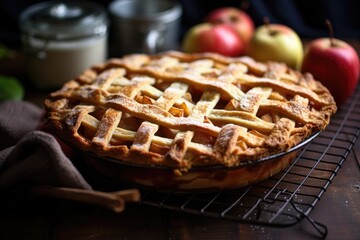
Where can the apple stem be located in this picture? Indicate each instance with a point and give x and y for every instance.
(331, 32)
(267, 25)
(266, 21)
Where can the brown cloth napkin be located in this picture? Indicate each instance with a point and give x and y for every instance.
(31, 156)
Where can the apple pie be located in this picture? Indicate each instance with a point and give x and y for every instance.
(183, 111)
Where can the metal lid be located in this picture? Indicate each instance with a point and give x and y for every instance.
(144, 10)
(63, 20)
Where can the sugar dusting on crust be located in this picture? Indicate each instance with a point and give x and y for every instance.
(189, 109)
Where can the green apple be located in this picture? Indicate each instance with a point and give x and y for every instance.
(10, 88)
(276, 42)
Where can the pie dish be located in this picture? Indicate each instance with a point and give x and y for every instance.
(182, 112)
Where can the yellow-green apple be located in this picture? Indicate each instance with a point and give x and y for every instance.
(276, 42)
(334, 63)
(236, 18)
(218, 38)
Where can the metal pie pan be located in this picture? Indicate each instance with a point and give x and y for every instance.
(207, 178)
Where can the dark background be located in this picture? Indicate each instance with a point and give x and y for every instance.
(306, 17)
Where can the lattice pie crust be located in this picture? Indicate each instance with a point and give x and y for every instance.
(181, 110)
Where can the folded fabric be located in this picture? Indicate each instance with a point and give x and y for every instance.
(16, 119)
(31, 156)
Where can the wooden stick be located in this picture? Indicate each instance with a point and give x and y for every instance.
(112, 200)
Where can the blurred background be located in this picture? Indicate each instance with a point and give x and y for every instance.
(306, 17)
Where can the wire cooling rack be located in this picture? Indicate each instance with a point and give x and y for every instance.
(286, 198)
(282, 200)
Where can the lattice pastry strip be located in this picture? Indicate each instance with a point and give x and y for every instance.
(183, 138)
(144, 136)
(193, 78)
(121, 135)
(182, 110)
(147, 130)
(202, 109)
(106, 127)
(253, 99)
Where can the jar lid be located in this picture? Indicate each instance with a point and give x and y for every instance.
(141, 10)
(60, 20)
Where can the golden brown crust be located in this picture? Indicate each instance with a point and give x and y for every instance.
(182, 110)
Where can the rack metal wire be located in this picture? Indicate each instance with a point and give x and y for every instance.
(286, 198)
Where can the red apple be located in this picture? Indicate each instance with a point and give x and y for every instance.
(218, 38)
(236, 18)
(334, 63)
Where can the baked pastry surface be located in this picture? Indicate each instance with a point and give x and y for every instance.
(181, 110)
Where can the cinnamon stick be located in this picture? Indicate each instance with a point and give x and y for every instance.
(112, 200)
